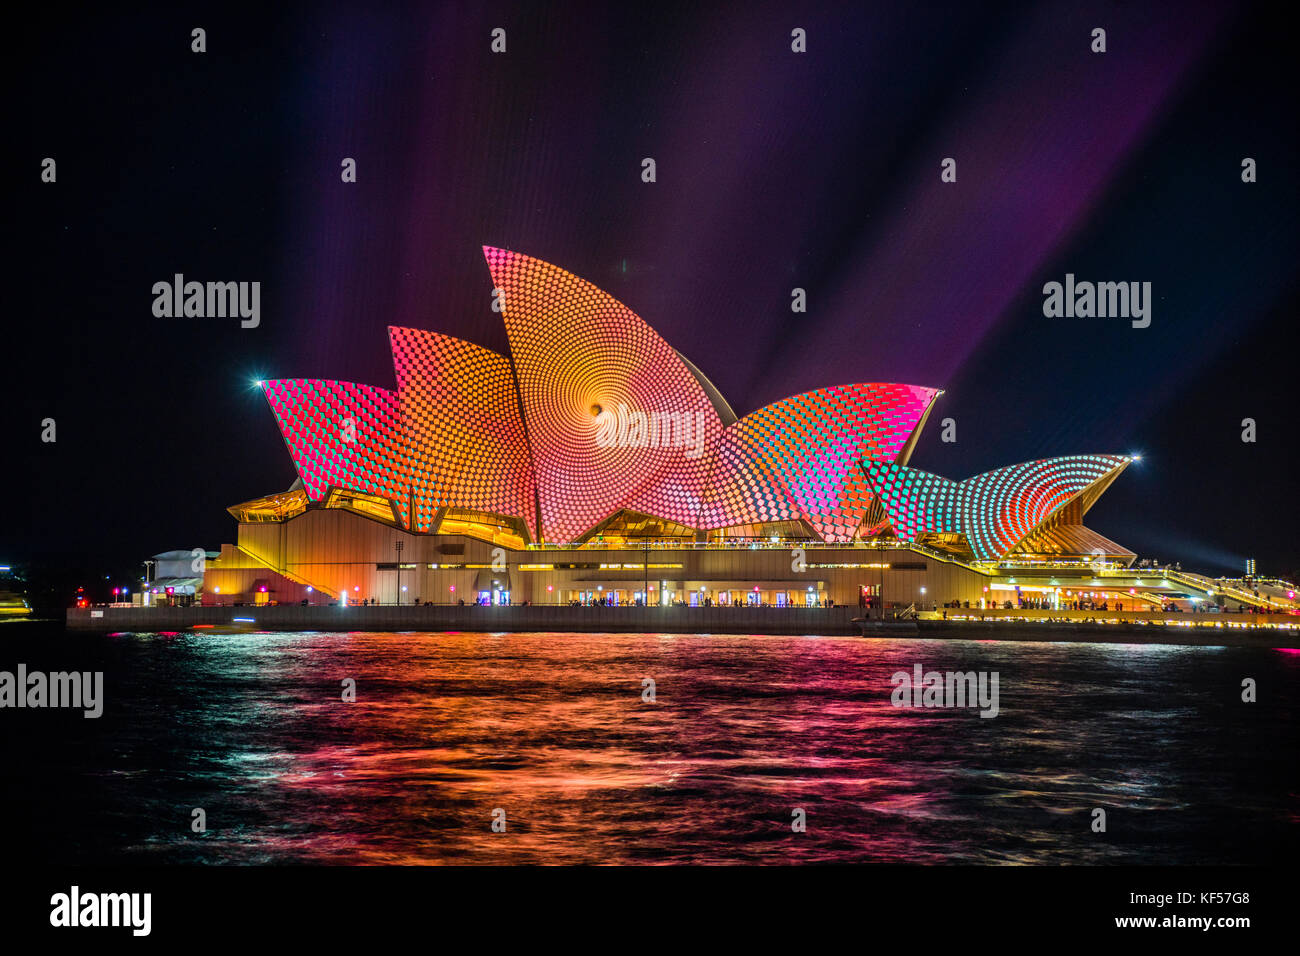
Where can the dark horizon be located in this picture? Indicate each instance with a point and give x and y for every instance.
(774, 170)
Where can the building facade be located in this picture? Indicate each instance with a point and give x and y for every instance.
(595, 464)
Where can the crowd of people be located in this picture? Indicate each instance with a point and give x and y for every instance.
(703, 602)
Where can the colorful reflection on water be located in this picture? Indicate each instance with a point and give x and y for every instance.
(553, 729)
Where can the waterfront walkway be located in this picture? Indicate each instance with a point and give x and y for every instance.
(1271, 629)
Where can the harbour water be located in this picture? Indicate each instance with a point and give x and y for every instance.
(555, 735)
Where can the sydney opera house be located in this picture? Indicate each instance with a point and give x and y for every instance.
(595, 463)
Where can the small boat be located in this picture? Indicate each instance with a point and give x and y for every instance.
(874, 627)
(237, 625)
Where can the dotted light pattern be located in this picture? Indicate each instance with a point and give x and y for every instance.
(313, 416)
(461, 420)
(995, 510)
(579, 351)
(453, 435)
(797, 458)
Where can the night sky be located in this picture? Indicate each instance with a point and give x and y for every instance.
(775, 170)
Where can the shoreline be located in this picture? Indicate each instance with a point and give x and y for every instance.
(1266, 631)
(1174, 635)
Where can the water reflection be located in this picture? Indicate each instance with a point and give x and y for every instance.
(553, 730)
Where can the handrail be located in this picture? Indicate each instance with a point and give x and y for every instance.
(285, 572)
(784, 544)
